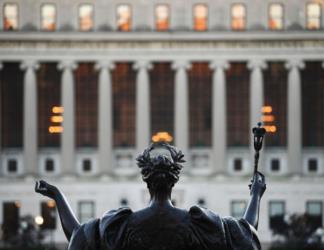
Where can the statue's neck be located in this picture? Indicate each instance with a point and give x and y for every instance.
(161, 199)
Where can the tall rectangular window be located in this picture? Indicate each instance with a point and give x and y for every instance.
(313, 16)
(200, 90)
(124, 17)
(162, 17)
(314, 210)
(48, 17)
(276, 16)
(12, 92)
(10, 16)
(86, 17)
(200, 12)
(10, 224)
(238, 208)
(86, 211)
(238, 13)
(276, 215)
(48, 212)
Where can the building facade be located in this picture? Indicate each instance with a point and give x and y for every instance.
(86, 86)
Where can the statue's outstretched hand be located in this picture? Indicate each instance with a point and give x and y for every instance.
(46, 189)
(258, 185)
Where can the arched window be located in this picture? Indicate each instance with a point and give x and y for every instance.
(313, 16)
(10, 16)
(86, 17)
(238, 13)
(200, 13)
(162, 16)
(124, 17)
(48, 17)
(276, 16)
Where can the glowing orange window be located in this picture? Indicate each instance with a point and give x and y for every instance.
(86, 17)
(238, 17)
(10, 16)
(162, 15)
(313, 16)
(276, 14)
(200, 17)
(124, 17)
(48, 15)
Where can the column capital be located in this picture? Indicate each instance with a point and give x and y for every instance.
(29, 64)
(219, 64)
(105, 64)
(295, 63)
(142, 64)
(67, 65)
(181, 64)
(257, 64)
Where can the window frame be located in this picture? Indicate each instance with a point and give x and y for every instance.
(41, 16)
(130, 19)
(308, 17)
(194, 17)
(156, 19)
(92, 16)
(245, 16)
(282, 17)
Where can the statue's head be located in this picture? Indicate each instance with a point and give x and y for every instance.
(160, 166)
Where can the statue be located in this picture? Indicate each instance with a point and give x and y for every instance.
(161, 226)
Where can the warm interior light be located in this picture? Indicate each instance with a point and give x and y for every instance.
(162, 136)
(267, 118)
(57, 110)
(266, 109)
(39, 220)
(17, 204)
(55, 129)
(271, 129)
(51, 203)
(57, 118)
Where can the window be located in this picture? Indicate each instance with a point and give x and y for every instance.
(86, 17)
(275, 165)
(200, 90)
(313, 16)
(200, 13)
(10, 224)
(201, 202)
(276, 16)
(276, 215)
(238, 208)
(12, 166)
(86, 211)
(162, 16)
(49, 165)
(48, 212)
(314, 210)
(312, 165)
(10, 16)
(238, 17)
(124, 202)
(48, 15)
(124, 17)
(238, 165)
(86, 165)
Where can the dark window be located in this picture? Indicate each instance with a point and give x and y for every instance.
(48, 212)
(10, 222)
(238, 164)
(86, 99)
(12, 90)
(313, 104)
(200, 94)
(275, 165)
(238, 208)
(314, 211)
(49, 97)
(162, 98)
(124, 202)
(312, 165)
(12, 166)
(49, 165)
(238, 105)
(201, 202)
(275, 98)
(86, 165)
(124, 84)
(276, 215)
(86, 210)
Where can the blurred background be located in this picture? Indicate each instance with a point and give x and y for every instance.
(87, 85)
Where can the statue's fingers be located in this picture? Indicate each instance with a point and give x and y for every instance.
(36, 186)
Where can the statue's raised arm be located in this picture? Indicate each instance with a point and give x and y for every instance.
(68, 219)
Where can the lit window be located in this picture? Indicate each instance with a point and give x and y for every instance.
(313, 16)
(10, 16)
(86, 211)
(238, 17)
(86, 17)
(162, 15)
(48, 17)
(48, 213)
(276, 16)
(124, 15)
(238, 208)
(200, 17)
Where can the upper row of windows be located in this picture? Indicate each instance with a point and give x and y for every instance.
(162, 17)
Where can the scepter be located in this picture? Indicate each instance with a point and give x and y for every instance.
(258, 137)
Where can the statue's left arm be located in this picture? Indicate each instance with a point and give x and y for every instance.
(68, 219)
(257, 189)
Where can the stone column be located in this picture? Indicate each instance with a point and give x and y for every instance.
(30, 117)
(143, 120)
(105, 119)
(68, 135)
(219, 117)
(294, 117)
(181, 110)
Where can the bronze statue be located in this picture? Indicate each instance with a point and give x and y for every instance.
(161, 226)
